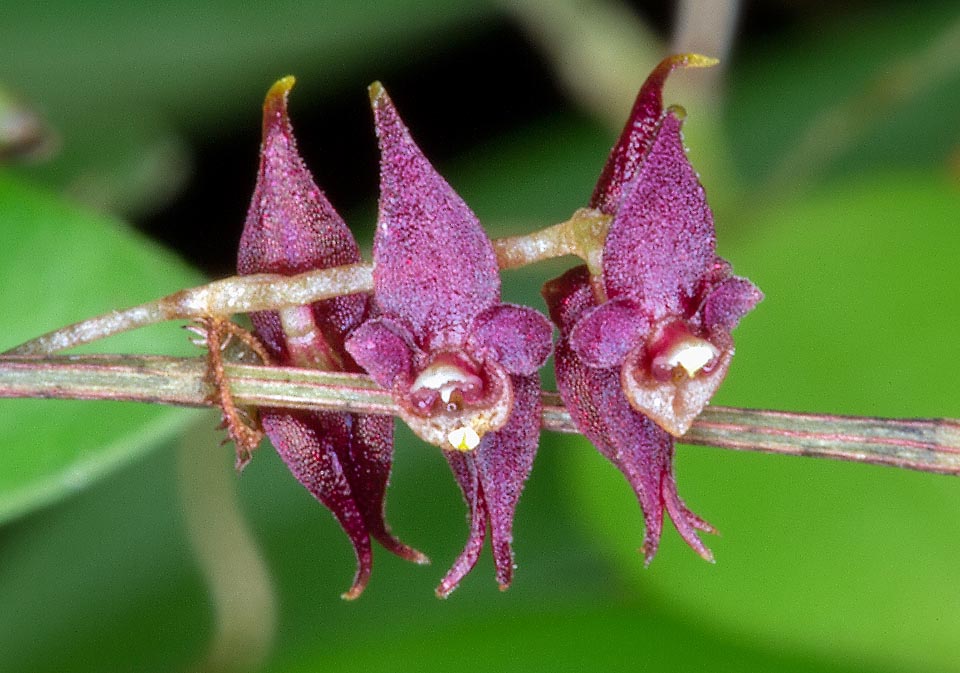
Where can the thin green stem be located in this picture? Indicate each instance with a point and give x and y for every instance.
(221, 298)
(581, 235)
(927, 445)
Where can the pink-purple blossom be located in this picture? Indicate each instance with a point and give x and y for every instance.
(644, 346)
(644, 342)
(461, 365)
(343, 459)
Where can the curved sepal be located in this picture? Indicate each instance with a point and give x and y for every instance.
(491, 478)
(291, 227)
(641, 450)
(504, 460)
(314, 462)
(365, 447)
(464, 469)
(635, 139)
(342, 459)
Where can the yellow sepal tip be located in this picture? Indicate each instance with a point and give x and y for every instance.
(281, 87)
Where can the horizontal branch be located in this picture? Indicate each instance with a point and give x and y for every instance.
(221, 298)
(582, 235)
(928, 445)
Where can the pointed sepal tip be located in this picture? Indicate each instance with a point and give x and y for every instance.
(375, 91)
(690, 60)
(279, 91)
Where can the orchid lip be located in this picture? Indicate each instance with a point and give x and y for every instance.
(688, 354)
(477, 403)
(451, 382)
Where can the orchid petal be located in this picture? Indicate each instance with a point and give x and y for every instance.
(383, 349)
(729, 301)
(515, 336)
(638, 133)
(605, 334)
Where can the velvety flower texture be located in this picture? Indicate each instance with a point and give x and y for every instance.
(461, 365)
(648, 343)
(343, 459)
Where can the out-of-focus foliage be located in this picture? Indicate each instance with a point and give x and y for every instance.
(117, 80)
(817, 555)
(59, 265)
(821, 567)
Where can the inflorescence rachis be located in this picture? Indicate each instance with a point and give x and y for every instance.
(644, 328)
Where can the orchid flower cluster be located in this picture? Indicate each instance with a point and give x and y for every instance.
(644, 329)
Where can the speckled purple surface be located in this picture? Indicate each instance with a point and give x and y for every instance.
(631, 147)
(663, 288)
(641, 450)
(661, 241)
(661, 274)
(437, 295)
(344, 460)
(435, 268)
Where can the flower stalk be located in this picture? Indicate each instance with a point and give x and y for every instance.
(927, 445)
(582, 236)
(219, 299)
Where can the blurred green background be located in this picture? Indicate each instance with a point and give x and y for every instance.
(829, 143)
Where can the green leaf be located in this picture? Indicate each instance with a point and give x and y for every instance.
(624, 638)
(59, 265)
(850, 561)
(119, 84)
(880, 85)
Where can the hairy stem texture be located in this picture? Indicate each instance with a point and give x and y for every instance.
(582, 235)
(928, 445)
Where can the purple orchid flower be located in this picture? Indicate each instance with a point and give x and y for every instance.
(648, 343)
(460, 364)
(343, 459)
